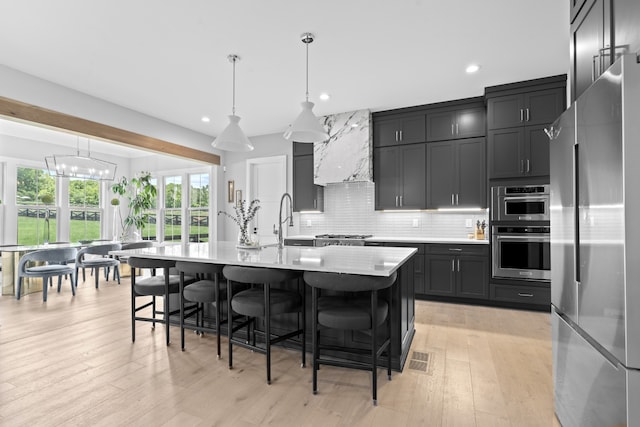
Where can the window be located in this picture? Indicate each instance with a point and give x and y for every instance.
(172, 208)
(35, 201)
(84, 212)
(149, 230)
(199, 207)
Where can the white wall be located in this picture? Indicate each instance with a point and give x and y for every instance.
(26, 88)
(233, 167)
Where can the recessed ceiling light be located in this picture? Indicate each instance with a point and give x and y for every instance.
(205, 119)
(472, 68)
(324, 96)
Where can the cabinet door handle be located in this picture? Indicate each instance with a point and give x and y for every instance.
(521, 166)
(525, 295)
(315, 203)
(401, 202)
(457, 132)
(452, 199)
(453, 265)
(593, 68)
(528, 168)
(528, 114)
(521, 115)
(457, 203)
(458, 265)
(397, 201)
(400, 135)
(456, 249)
(396, 136)
(452, 132)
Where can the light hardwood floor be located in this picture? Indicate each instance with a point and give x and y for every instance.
(70, 361)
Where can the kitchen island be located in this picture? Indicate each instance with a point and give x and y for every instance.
(372, 261)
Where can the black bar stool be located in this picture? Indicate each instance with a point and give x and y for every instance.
(204, 290)
(154, 286)
(261, 300)
(358, 308)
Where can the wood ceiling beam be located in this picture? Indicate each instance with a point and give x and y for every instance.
(32, 113)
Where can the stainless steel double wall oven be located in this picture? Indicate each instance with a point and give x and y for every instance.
(520, 232)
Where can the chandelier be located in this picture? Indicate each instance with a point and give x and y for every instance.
(79, 166)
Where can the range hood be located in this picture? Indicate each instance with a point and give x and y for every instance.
(346, 156)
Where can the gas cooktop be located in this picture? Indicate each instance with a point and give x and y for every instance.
(342, 236)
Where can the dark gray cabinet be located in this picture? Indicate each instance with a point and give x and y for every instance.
(456, 174)
(306, 195)
(457, 270)
(525, 109)
(517, 114)
(400, 177)
(601, 30)
(455, 124)
(401, 129)
(518, 152)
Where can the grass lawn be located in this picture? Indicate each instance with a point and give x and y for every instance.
(32, 231)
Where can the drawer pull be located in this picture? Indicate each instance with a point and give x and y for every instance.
(525, 295)
(455, 249)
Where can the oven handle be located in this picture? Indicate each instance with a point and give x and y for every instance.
(532, 197)
(523, 237)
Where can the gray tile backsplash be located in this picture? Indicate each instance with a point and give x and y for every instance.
(349, 209)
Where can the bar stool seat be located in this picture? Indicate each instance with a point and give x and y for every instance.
(204, 289)
(263, 300)
(357, 308)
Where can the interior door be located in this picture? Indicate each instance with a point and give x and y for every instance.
(267, 182)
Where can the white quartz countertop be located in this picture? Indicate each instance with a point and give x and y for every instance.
(445, 240)
(365, 260)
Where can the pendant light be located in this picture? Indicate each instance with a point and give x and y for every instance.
(306, 128)
(232, 137)
(80, 166)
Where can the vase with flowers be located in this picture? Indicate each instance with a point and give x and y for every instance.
(244, 215)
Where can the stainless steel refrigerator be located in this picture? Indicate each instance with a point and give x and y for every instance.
(595, 252)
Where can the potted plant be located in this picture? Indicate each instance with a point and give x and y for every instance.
(140, 193)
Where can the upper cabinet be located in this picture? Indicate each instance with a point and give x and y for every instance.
(455, 124)
(400, 176)
(517, 114)
(306, 195)
(601, 31)
(525, 109)
(399, 129)
(456, 174)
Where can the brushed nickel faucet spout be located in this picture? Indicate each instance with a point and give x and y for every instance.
(288, 217)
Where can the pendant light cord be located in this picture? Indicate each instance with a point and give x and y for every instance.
(233, 108)
(307, 92)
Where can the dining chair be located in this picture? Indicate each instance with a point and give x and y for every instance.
(46, 263)
(263, 300)
(97, 257)
(354, 305)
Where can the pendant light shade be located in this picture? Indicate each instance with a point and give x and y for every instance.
(306, 127)
(232, 138)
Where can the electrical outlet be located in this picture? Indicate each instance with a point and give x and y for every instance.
(468, 223)
(416, 223)
(308, 223)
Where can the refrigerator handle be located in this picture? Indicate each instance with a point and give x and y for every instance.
(576, 213)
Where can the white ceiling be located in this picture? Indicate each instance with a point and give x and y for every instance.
(168, 58)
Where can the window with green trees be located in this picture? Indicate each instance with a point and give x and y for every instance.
(173, 207)
(84, 209)
(199, 207)
(35, 201)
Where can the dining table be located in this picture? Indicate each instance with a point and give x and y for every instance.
(360, 260)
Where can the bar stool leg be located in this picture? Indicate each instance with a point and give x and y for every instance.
(314, 338)
(229, 326)
(267, 328)
(374, 352)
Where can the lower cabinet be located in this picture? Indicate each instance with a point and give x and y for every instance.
(529, 294)
(457, 271)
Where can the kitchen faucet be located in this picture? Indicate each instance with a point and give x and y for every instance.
(281, 221)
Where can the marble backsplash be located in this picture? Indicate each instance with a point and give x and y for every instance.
(350, 209)
(346, 156)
